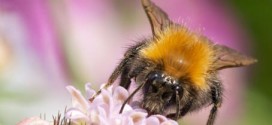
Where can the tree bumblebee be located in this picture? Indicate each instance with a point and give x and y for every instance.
(176, 69)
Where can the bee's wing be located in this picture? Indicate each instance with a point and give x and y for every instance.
(226, 57)
(157, 17)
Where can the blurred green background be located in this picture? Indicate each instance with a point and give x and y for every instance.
(257, 17)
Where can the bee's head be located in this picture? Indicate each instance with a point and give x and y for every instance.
(160, 92)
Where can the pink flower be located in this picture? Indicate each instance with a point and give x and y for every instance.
(104, 110)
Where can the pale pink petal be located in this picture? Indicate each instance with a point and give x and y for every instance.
(76, 116)
(102, 112)
(77, 99)
(103, 120)
(139, 110)
(74, 113)
(138, 117)
(97, 101)
(120, 94)
(127, 108)
(152, 121)
(33, 121)
(169, 122)
(127, 121)
(116, 109)
(106, 96)
(89, 91)
(161, 118)
(94, 117)
(117, 121)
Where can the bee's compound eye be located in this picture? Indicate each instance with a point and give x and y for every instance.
(152, 76)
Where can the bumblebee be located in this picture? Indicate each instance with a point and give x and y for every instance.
(176, 69)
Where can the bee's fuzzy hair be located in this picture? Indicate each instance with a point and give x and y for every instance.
(182, 53)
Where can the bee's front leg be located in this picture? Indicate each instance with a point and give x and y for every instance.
(216, 93)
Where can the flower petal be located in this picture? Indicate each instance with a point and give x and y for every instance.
(78, 100)
(120, 94)
(89, 91)
(169, 122)
(107, 97)
(102, 112)
(94, 117)
(76, 115)
(127, 121)
(33, 121)
(103, 121)
(138, 117)
(161, 118)
(77, 118)
(152, 121)
(117, 121)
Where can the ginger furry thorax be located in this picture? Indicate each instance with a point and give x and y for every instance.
(181, 53)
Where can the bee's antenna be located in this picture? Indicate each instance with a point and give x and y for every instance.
(130, 96)
(178, 105)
